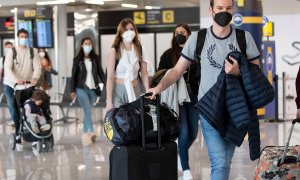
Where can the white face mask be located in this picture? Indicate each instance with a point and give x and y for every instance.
(128, 36)
(42, 54)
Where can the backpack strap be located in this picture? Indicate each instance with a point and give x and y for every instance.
(240, 36)
(199, 46)
(200, 43)
(15, 55)
(241, 39)
(31, 53)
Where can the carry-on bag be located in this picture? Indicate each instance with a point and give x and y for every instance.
(279, 162)
(122, 125)
(145, 161)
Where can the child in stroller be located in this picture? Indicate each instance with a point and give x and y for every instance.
(34, 114)
(42, 137)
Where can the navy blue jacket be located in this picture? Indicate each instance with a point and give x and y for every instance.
(230, 105)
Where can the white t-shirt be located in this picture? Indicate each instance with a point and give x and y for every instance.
(89, 75)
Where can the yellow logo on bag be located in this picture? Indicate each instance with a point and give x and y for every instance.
(108, 129)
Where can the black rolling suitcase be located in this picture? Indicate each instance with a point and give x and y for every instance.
(156, 161)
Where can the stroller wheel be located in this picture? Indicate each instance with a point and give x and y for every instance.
(43, 146)
(12, 142)
(50, 142)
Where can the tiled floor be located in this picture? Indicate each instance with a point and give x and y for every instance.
(70, 159)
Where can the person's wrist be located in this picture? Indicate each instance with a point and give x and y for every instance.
(159, 88)
(108, 101)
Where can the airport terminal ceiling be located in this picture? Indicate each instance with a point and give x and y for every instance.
(278, 6)
(75, 5)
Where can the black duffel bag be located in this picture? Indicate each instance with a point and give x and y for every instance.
(169, 125)
(122, 125)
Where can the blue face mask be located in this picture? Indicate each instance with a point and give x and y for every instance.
(23, 41)
(87, 49)
(5, 50)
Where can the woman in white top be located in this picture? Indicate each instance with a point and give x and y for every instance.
(86, 75)
(125, 61)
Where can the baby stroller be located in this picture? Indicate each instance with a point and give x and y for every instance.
(45, 141)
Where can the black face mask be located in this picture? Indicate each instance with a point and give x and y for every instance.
(180, 38)
(223, 18)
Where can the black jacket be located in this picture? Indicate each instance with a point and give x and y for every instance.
(297, 100)
(230, 105)
(79, 73)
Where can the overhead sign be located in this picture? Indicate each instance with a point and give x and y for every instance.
(153, 18)
(241, 3)
(168, 16)
(268, 29)
(139, 17)
(39, 12)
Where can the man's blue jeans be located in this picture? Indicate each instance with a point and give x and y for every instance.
(188, 120)
(86, 98)
(220, 151)
(14, 113)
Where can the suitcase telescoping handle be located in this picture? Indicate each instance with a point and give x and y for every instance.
(288, 140)
(157, 102)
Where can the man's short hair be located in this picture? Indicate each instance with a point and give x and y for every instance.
(212, 3)
(22, 31)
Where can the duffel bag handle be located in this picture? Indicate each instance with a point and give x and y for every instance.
(296, 121)
(144, 97)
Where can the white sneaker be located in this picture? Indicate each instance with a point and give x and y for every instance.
(11, 124)
(187, 175)
(19, 147)
(34, 143)
(46, 127)
(35, 151)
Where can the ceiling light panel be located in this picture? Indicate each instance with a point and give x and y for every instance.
(129, 5)
(52, 2)
(97, 2)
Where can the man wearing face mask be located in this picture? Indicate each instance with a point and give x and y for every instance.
(8, 45)
(188, 117)
(220, 39)
(22, 68)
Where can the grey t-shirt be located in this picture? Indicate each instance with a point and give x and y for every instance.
(214, 53)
